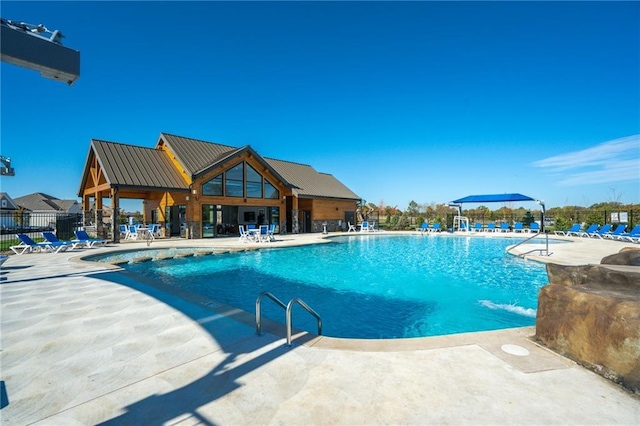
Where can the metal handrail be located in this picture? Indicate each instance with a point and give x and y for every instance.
(259, 309)
(308, 309)
(546, 249)
(288, 317)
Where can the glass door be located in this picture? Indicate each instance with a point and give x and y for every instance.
(209, 220)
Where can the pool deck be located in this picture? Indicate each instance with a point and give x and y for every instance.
(83, 343)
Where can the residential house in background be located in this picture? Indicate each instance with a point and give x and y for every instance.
(7, 209)
(43, 210)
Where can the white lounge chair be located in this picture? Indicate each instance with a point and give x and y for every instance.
(244, 235)
(351, 227)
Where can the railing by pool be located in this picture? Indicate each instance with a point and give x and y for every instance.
(288, 316)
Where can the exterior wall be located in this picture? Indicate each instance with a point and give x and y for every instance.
(197, 199)
(330, 211)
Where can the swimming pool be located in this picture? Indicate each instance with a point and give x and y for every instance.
(372, 287)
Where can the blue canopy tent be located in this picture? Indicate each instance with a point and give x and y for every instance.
(493, 198)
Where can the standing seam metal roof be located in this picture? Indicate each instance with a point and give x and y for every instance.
(195, 155)
(310, 183)
(128, 165)
(134, 166)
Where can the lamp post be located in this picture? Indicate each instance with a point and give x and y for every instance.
(542, 206)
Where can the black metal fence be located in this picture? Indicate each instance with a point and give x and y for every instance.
(33, 224)
(553, 220)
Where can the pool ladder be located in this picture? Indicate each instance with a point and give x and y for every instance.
(288, 317)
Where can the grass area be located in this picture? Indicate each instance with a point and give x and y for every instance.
(5, 244)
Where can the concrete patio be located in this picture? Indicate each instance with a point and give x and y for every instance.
(83, 343)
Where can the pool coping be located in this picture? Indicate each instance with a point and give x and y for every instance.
(301, 337)
(106, 347)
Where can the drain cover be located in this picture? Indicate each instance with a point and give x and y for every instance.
(515, 350)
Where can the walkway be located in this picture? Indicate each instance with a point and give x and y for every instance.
(83, 344)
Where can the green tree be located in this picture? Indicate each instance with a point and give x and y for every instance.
(528, 219)
(412, 209)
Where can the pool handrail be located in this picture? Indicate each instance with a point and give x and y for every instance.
(544, 250)
(288, 316)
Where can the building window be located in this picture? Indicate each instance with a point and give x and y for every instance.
(213, 187)
(234, 183)
(254, 183)
(270, 191)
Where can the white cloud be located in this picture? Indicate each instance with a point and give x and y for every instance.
(617, 160)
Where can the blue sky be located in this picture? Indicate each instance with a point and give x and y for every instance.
(401, 101)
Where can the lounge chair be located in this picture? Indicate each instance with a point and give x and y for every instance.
(133, 232)
(124, 232)
(272, 229)
(372, 227)
(518, 227)
(633, 236)
(477, 227)
(504, 227)
(424, 227)
(616, 232)
(590, 230)
(600, 232)
(155, 230)
(83, 238)
(351, 227)
(435, 227)
(491, 227)
(534, 227)
(364, 227)
(27, 244)
(50, 237)
(574, 230)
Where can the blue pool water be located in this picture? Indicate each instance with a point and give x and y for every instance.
(372, 287)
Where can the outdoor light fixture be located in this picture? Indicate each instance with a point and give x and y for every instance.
(24, 46)
(5, 166)
(541, 202)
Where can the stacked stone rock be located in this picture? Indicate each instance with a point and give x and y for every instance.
(591, 314)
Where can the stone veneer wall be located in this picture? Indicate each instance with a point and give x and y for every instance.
(591, 314)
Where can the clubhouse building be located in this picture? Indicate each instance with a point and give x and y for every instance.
(201, 189)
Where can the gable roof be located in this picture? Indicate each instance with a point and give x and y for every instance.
(134, 166)
(152, 168)
(43, 202)
(195, 155)
(11, 204)
(310, 183)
